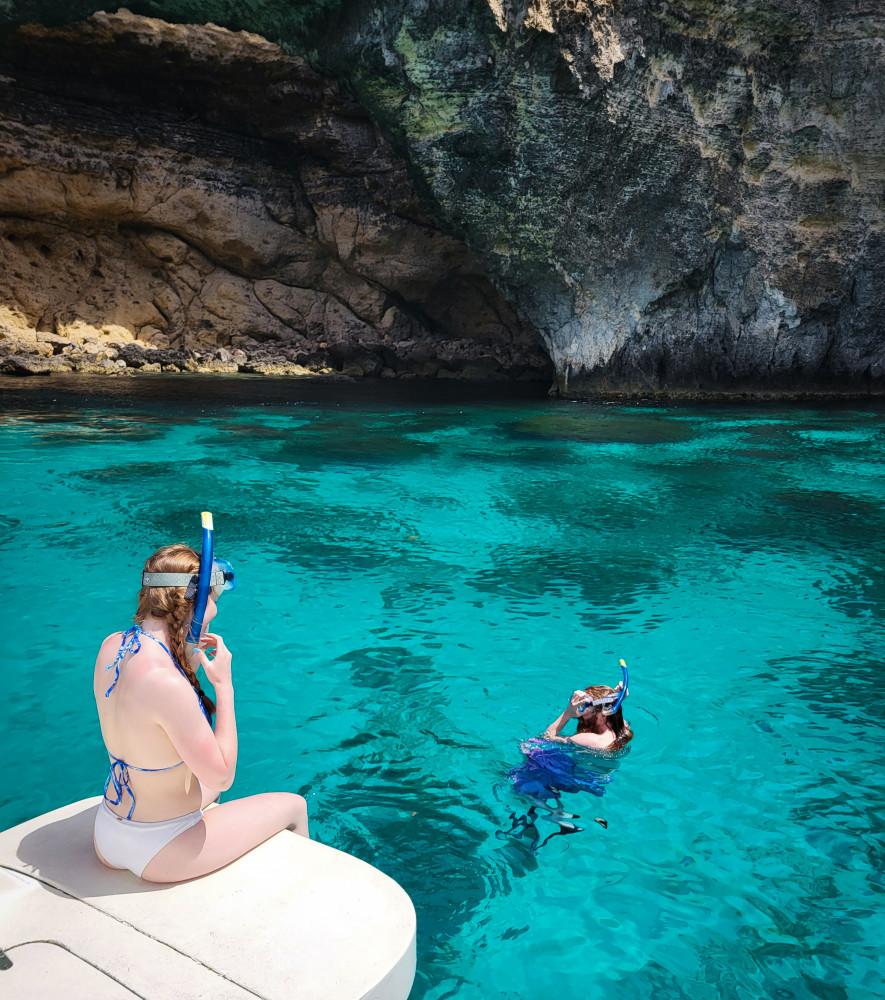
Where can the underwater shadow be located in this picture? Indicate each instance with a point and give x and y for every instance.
(548, 771)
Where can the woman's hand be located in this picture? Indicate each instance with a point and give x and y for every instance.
(218, 669)
(578, 701)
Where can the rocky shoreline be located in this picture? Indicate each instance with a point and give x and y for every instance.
(50, 353)
(182, 198)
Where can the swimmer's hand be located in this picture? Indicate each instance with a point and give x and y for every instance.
(218, 668)
(577, 705)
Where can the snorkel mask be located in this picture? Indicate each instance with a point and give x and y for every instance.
(215, 574)
(610, 703)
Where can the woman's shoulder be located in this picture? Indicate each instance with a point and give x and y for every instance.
(142, 653)
(109, 645)
(594, 740)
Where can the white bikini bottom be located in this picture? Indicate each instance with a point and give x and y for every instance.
(124, 843)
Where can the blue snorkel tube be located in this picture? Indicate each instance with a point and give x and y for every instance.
(206, 565)
(611, 709)
(625, 678)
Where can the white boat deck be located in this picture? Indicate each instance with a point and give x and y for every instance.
(292, 920)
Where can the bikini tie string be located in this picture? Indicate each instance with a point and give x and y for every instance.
(118, 776)
(131, 644)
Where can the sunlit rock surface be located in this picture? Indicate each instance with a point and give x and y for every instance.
(678, 196)
(198, 189)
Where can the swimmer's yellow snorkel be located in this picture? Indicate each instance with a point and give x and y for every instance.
(610, 703)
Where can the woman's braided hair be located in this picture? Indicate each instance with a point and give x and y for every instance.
(171, 604)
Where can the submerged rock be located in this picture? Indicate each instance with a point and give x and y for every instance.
(595, 429)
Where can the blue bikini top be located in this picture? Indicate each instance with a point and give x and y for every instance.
(118, 776)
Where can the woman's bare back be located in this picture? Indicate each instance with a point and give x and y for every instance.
(131, 735)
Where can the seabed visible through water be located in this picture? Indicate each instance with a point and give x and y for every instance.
(425, 576)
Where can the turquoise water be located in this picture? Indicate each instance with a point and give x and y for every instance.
(423, 583)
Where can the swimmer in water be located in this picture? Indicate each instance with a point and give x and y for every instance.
(598, 727)
(546, 772)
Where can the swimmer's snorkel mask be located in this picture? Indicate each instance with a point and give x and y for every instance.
(610, 703)
(215, 574)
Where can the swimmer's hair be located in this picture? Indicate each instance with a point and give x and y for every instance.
(623, 733)
(171, 604)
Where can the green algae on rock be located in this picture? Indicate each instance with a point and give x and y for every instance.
(681, 196)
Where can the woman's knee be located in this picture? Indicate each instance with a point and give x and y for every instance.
(298, 804)
(297, 809)
(289, 808)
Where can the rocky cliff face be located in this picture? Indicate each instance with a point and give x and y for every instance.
(678, 196)
(197, 189)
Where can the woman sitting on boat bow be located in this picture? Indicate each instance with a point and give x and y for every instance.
(167, 763)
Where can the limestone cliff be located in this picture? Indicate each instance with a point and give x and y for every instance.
(198, 189)
(677, 195)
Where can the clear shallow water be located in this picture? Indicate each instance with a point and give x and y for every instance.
(422, 585)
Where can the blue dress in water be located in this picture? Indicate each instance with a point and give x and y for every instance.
(547, 771)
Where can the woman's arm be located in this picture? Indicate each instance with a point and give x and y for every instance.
(211, 756)
(555, 728)
(571, 712)
(218, 670)
(226, 732)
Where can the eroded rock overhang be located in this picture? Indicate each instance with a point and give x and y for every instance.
(195, 189)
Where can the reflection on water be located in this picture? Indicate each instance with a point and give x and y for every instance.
(607, 427)
(424, 583)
